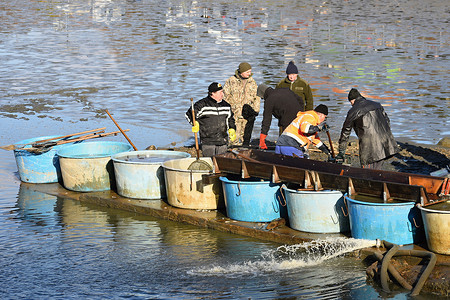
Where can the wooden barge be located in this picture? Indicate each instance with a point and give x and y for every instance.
(318, 175)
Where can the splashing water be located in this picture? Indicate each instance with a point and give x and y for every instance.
(288, 257)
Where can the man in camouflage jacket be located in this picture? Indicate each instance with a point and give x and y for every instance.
(240, 92)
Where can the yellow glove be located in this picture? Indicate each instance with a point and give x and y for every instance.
(232, 134)
(196, 127)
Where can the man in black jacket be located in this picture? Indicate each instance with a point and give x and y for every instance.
(283, 104)
(215, 121)
(372, 126)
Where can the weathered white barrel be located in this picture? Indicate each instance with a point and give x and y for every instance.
(140, 175)
(87, 167)
(316, 211)
(436, 220)
(185, 188)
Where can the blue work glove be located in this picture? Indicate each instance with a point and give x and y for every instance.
(323, 127)
(325, 149)
(331, 159)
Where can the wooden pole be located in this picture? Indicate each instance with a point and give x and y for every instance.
(129, 141)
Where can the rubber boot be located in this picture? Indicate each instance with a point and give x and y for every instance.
(248, 132)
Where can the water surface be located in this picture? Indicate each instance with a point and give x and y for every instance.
(64, 62)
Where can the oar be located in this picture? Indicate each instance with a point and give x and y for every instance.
(16, 146)
(129, 141)
(46, 148)
(55, 143)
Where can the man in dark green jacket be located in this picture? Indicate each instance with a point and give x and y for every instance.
(297, 85)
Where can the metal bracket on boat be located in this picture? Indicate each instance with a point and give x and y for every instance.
(312, 180)
(445, 188)
(386, 193)
(351, 188)
(317, 182)
(423, 196)
(307, 184)
(211, 178)
(216, 165)
(244, 171)
(275, 177)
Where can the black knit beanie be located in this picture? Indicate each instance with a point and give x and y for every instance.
(291, 68)
(321, 108)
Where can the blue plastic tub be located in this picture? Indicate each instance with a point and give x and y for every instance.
(398, 222)
(316, 211)
(88, 167)
(139, 174)
(38, 168)
(252, 200)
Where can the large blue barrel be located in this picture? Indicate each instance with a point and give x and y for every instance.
(88, 167)
(396, 222)
(139, 174)
(252, 200)
(316, 211)
(38, 167)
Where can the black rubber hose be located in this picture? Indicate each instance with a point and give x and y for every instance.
(393, 271)
(394, 251)
(426, 273)
(384, 267)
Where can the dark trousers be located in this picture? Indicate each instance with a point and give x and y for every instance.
(211, 150)
(248, 131)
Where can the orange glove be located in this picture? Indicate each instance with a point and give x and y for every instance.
(262, 141)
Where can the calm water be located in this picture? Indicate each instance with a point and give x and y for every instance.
(63, 62)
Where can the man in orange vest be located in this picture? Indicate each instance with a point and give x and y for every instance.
(303, 131)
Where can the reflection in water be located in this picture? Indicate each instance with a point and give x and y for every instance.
(38, 208)
(81, 223)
